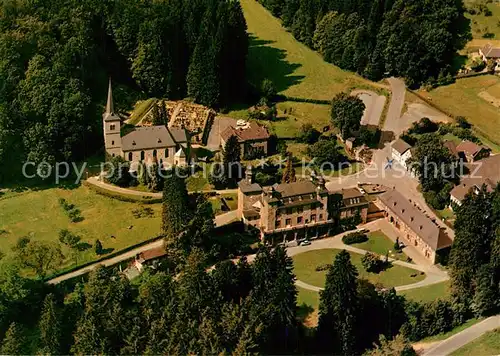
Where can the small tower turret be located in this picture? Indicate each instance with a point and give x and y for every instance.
(111, 126)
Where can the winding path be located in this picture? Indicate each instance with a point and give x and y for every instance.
(433, 273)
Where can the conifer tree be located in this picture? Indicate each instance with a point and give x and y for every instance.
(50, 327)
(487, 293)
(164, 119)
(338, 307)
(289, 172)
(14, 342)
(175, 207)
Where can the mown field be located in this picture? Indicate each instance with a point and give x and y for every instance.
(39, 215)
(467, 98)
(295, 70)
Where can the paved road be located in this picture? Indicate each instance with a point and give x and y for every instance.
(398, 90)
(374, 105)
(113, 188)
(433, 274)
(456, 341)
(220, 220)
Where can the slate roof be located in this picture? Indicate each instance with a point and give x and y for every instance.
(247, 187)
(149, 137)
(253, 132)
(400, 146)
(296, 188)
(422, 225)
(491, 52)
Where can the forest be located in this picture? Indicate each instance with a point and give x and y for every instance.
(56, 58)
(414, 39)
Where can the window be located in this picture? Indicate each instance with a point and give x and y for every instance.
(112, 143)
(289, 211)
(112, 127)
(300, 209)
(113, 155)
(166, 152)
(142, 155)
(154, 153)
(299, 220)
(321, 216)
(288, 222)
(277, 225)
(313, 217)
(130, 156)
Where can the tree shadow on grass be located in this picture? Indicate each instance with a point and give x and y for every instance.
(265, 61)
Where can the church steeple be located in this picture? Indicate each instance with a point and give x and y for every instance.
(109, 104)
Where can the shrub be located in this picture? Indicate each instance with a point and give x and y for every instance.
(308, 134)
(425, 125)
(462, 122)
(73, 213)
(324, 267)
(68, 238)
(354, 238)
(371, 262)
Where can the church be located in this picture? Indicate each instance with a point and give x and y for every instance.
(168, 146)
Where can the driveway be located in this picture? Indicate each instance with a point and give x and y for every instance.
(398, 90)
(433, 273)
(374, 105)
(456, 341)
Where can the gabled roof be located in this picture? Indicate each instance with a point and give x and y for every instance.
(420, 223)
(400, 146)
(252, 132)
(469, 148)
(452, 148)
(149, 137)
(491, 52)
(296, 188)
(151, 254)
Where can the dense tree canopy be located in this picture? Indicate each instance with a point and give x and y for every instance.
(414, 39)
(56, 57)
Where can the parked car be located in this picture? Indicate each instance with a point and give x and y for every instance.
(305, 243)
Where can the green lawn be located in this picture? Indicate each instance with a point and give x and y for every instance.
(429, 293)
(39, 215)
(231, 201)
(486, 345)
(380, 244)
(305, 264)
(462, 99)
(141, 107)
(482, 24)
(295, 70)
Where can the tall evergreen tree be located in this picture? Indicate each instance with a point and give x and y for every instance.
(288, 172)
(14, 341)
(338, 307)
(175, 207)
(50, 327)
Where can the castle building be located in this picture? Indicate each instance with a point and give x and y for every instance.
(294, 211)
(168, 146)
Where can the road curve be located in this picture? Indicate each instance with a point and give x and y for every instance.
(456, 341)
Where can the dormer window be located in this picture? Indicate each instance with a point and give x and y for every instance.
(133, 143)
(159, 140)
(402, 211)
(420, 227)
(394, 203)
(411, 219)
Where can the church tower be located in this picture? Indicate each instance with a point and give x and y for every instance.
(111, 125)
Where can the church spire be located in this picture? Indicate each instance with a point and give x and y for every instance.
(109, 104)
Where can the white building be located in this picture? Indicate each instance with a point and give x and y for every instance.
(401, 152)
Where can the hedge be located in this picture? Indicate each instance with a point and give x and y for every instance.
(354, 238)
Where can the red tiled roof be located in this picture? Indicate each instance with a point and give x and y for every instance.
(470, 148)
(253, 132)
